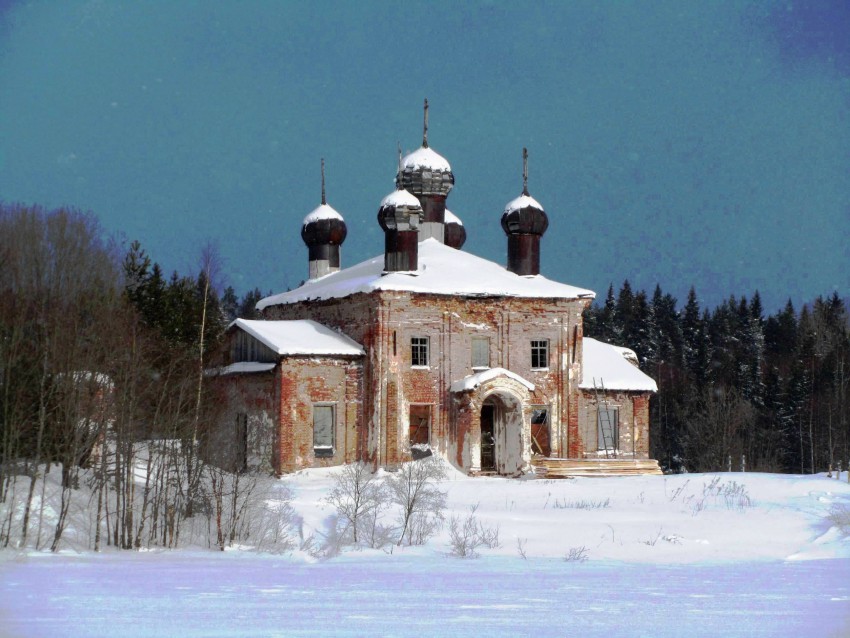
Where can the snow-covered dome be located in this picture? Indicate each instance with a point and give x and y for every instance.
(400, 210)
(425, 172)
(323, 211)
(451, 218)
(524, 216)
(323, 226)
(454, 232)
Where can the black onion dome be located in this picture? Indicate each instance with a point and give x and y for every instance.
(424, 172)
(397, 209)
(324, 226)
(524, 216)
(454, 232)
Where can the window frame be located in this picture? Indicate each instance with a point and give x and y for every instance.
(477, 365)
(547, 422)
(324, 451)
(539, 346)
(420, 348)
(600, 440)
(422, 408)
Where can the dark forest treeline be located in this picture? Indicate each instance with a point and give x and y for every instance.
(733, 383)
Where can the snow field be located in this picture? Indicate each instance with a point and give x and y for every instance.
(685, 555)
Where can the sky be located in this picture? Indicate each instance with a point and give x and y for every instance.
(673, 143)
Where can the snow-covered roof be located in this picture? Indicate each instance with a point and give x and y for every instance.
(322, 212)
(523, 201)
(425, 158)
(400, 197)
(607, 366)
(442, 271)
(474, 380)
(299, 337)
(451, 218)
(243, 367)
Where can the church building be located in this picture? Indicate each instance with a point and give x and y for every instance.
(427, 349)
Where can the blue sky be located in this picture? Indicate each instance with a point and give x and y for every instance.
(680, 143)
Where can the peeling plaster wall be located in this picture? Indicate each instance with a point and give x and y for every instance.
(384, 323)
(304, 382)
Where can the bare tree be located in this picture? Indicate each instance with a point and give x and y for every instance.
(413, 488)
(357, 495)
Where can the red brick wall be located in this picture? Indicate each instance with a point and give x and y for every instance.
(307, 381)
(384, 322)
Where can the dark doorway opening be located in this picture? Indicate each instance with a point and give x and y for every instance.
(488, 439)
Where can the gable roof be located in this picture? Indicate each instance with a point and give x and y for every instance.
(299, 337)
(608, 366)
(442, 271)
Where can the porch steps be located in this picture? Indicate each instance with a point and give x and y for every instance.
(568, 468)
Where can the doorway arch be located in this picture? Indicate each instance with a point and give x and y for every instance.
(503, 443)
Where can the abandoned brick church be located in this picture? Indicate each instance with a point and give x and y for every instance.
(427, 349)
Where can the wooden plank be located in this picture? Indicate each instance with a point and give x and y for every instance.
(565, 468)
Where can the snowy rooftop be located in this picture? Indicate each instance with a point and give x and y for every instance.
(425, 158)
(523, 201)
(400, 197)
(301, 337)
(608, 366)
(442, 271)
(322, 212)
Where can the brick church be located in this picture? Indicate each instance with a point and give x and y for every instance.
(428, 349)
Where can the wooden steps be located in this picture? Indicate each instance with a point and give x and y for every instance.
(568, 468)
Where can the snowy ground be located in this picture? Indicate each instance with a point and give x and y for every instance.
(689, 555)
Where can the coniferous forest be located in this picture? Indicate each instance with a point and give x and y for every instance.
(736, 387)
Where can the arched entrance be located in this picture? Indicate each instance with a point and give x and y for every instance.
(502, 440)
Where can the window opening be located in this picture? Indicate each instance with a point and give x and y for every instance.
(540, 353)
(419, 351)
(607, 425)
(540, 441)
(323, 430)
(420, 431)
(480, 352)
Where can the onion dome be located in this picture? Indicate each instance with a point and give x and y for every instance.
(455, 233)
(399, 211)
(323, 226)
(425, 172)
(524, 215)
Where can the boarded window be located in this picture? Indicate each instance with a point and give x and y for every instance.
(241, 460)
(419, 351)
(607, 427)
(540, 353)
(323, 430)
(540, 431)
(420, 425)
(480, 352)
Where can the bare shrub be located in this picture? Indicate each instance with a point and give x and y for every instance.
(520, 547)
(358, 496)
(839, 516)
(576, 555)
(469, 534)
(412, 487)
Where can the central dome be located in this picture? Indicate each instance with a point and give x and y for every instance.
(425, 172)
